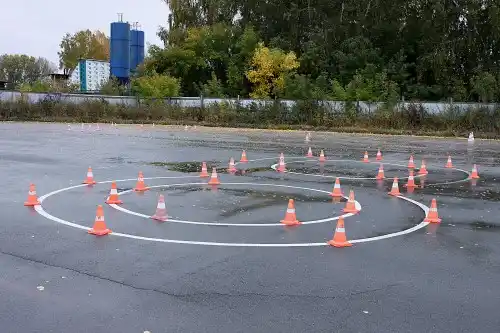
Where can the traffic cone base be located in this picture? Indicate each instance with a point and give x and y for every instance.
(339, 244)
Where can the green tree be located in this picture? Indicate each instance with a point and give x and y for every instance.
(156, 86)
(213, 88)
(20, 69)
(83, 44)
(485, 86)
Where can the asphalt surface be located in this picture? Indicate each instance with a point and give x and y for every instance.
(55, 278)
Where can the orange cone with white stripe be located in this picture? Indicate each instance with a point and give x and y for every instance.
(365, 157)
(140, 185)
(411, 164)
(449, 164)
(379, 156)
(243, 157)
(90, 177)
(99, 228)
(281, 164)
(204, 171)
(337, 191)
(432, 215)
(411, 181)
(350, 206)
(395, 188)
(474, 174)
(113, 198)
(290, 217)
(231, 167)
(161, 210)
(423, 170)
(309, 153)
(322, 156)
(214, 180)
(32, 198)
(340, 238)
(380, 174)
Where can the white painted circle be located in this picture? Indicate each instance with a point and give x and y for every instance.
(42, 212)
(333, 218)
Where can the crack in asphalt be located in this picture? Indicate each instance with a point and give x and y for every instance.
(196, 295)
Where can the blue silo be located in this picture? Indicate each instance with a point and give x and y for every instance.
(136, 49)
(120, 50)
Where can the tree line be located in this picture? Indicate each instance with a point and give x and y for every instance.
(367, 49)
(370, 50)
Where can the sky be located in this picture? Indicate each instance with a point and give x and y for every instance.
(36, 27)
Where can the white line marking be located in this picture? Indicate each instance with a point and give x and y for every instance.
(42, 212)
(358, 207)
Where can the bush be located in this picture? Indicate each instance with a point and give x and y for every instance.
(310, 114)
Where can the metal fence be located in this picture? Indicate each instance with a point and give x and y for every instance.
(194, 102)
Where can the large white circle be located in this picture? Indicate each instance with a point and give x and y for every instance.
(42, 212)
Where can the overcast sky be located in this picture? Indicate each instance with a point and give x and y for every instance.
(36, 27)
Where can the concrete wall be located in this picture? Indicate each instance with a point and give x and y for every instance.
(430, 107)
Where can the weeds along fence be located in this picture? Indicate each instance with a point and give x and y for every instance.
(404, 117)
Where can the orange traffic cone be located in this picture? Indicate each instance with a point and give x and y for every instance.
(290, 217)
(113, 198)
(231, 167)
(432, 215)
(322, 156)
(449, 165)
(204, 172)
(281, 164)
(423, 170)
(411, 181)
(90, 177)
(395, 188)
(337, 191)
(339, 238)
(161, 210)
(214, 180)
(379, 156)
(309, 153)
(243, 157)
(380, 174)
(474, 174)
(32, 199)
(99, 228)
(140, 185)
(350, 206)
(365, 157)
(411, 164)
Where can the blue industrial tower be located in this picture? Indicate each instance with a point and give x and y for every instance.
(136, 48)
(120, 50)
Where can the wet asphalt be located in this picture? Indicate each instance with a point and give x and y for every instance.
(55, 278)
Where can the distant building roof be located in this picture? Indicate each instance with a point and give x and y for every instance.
(58, 76)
